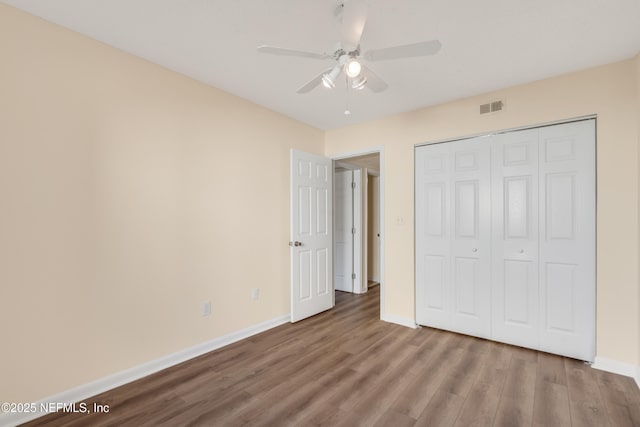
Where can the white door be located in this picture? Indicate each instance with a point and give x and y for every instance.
(453, 232)
(515, 238)
(567, 239)
(373, 229)
(433, 236)
(359, 195)
(343, 231)
(311, 235)
(471, 236)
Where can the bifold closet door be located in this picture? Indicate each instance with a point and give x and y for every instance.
(515, 263)
(567, 239)
(505, 237)
(433, 236)
(453, 241)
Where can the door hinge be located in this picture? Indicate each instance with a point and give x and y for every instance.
(353, 185)
(353, 276)
(353, 230)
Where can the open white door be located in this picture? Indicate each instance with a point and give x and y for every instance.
(343, 233)
(311, 235)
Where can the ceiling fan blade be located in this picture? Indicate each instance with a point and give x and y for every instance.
(405, 51)
(354, 17)
(273, 50)
(375, 83)
(313, 82)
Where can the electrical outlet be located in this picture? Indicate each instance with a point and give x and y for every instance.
(255, 293)
(206, 308)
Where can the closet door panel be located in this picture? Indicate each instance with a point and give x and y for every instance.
(471, 239)
(433, 248)
(567, 239)
(515, 300)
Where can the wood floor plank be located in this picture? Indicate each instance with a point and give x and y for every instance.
(463, 373)
(375, 401)
(346, 367)
(586, 404)
(442, 410)
(551, 402)
(551, 368)
(293, 407)
(551, 405)
(395, 419)
(417, 394)
(481, 402)
(494, 372)
(347, 389)
(290, 387)
(479, 408)
(517, 398)
(308, 406)
(622, 409)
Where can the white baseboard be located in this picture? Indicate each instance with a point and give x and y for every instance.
(86, 391)
(616, 367)
(403, 321)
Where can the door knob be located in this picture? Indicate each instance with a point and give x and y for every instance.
(296, 243)
(521, 251)
(474, 250)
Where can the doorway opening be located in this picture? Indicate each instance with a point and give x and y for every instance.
(357, 247)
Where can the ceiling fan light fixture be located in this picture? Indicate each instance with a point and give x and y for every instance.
(353, 68)
(329, 79)
(359, 82)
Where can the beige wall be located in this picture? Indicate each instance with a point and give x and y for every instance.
(607, 91)
(129, 194)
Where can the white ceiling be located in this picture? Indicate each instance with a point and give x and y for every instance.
(487, 45)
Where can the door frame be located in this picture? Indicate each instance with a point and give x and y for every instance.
(379, 149)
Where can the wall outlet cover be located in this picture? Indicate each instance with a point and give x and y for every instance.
(206, 308)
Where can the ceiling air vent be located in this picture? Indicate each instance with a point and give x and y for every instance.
(491, 107)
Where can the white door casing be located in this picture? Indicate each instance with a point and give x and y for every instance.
(311, 235)
(343, 236)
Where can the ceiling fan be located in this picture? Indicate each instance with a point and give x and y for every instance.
(348, 56)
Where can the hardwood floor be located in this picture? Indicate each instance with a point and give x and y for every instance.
(347, 368)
